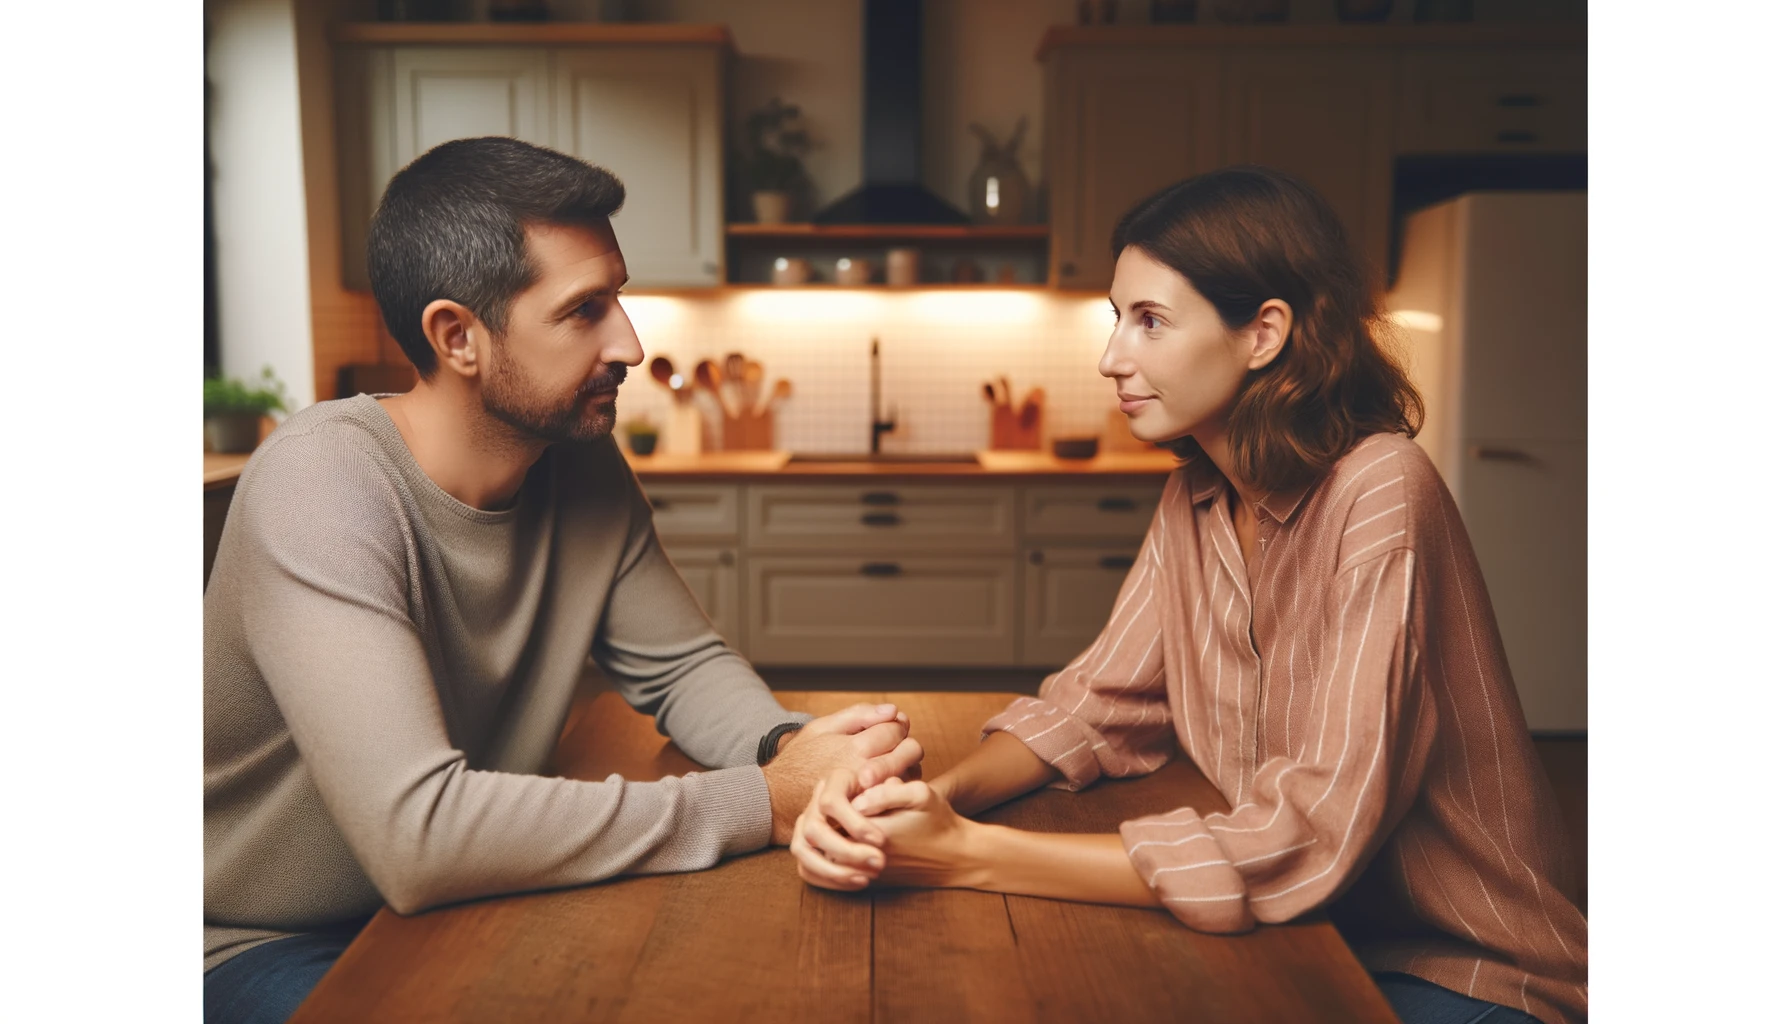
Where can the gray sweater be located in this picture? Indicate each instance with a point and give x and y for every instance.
(387, 670)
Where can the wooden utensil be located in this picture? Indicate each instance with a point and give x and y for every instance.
(709, 379)
(780, 395)
(662, 371)
(734, 367)
(989, 393)
(1007, 394)
(752, 376)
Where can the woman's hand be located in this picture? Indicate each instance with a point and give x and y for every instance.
(835, 846)
(926, 842)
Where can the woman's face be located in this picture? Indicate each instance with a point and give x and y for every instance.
(1177, 366)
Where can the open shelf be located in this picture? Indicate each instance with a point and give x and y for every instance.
(893, 232)
(519, 33)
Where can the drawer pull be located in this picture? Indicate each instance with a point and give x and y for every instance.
(1519, 99)
(1516, 136)
(1116, 561)
(881, 519)
(880, 569)
(726, 558)
(1117, 505)
(659, 504)
(1502, 454)
(1036, 557)
(880, 498)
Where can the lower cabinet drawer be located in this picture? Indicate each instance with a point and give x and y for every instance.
(714, 578)
(891, 609)
(695, 510)
(1070, 593)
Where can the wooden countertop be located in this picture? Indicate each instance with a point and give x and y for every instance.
(742, 467)
(222, 470)
(1000, 465)
(747, 940)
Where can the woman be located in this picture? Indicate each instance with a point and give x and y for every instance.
(1306, 620)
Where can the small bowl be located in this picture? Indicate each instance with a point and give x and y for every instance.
(1074, 447)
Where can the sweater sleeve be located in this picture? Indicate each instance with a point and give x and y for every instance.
(327, 614)
(667, 659)
(1311, 823)
(1105, 713)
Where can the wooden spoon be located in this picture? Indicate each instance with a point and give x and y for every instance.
(662, 371)
(752, 376)
(709, 379)
(780, 395)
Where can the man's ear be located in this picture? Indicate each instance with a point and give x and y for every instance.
(1268, 332)
(455, 335)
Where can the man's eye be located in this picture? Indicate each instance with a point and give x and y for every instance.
(590, 309)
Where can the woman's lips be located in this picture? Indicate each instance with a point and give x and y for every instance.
(1130, 404)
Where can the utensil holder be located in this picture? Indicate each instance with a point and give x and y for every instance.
(1007, 434)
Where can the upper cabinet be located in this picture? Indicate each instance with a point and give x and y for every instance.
(646, 105)
(1129, 110)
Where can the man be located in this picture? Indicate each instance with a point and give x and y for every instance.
(408, 587)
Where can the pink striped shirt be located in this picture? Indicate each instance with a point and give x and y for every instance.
(1349, 697)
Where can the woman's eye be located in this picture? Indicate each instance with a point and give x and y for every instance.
(1149, 321)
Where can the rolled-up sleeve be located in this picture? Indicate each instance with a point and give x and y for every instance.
(1311, 823)
(1105, 713)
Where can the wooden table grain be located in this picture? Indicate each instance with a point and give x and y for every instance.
(749, 941)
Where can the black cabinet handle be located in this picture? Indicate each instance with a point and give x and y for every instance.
(659, 504)
(1036, 557)
(1519, 99)
(881, 519)
(880, 569)
(1067, 269)
(1116, 561)
(726, 558)
(1502, 454)
(1516, 136)
(880, 498)
(1117, 505)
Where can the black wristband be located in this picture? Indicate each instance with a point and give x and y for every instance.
(768, 744)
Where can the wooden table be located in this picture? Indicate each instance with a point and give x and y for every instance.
(748, 940)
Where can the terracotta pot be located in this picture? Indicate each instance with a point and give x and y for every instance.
(771, 207)
(233, 432)
(643, 444)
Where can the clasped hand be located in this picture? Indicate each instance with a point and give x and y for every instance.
(863, 826)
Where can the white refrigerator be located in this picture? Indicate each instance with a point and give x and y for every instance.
(1492, 299)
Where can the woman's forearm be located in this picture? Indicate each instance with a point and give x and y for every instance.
(1086, 868)
(1001, 769)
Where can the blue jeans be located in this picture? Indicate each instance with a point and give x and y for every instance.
(266, 984)
(1417, 1001)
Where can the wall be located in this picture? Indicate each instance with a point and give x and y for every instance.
(937, 350)
(264, 303)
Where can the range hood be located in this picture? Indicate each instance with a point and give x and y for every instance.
(892, 192)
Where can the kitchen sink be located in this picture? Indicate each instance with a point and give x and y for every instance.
(911, 458)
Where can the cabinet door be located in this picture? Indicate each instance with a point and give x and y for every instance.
(653, 118)
(442, 93)
(881, 609)
(1069, 594)
(1493, 101)
(1121, 124)
(714, 579)
(1525, 504)
(1327, 119)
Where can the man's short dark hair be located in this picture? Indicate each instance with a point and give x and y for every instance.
(450, 226)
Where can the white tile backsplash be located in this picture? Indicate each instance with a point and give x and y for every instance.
(938, 348)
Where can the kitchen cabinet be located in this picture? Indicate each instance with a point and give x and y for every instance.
(881, 608)
(646, 106)
(1121, 125)
(1326, 118)
(1493, 101)
(905, 572)
(1129, 110)
(1068, 595)
(713, 575)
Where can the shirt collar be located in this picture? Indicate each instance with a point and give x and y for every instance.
(1205, 481)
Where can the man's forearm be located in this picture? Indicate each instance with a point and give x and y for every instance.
(1001, 769)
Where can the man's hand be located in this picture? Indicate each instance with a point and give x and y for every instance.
(864, 741)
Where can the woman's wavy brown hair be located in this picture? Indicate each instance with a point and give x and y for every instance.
(1242, 236)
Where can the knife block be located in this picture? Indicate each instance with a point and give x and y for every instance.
(1006, 432)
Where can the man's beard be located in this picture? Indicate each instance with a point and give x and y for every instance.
(512, 399)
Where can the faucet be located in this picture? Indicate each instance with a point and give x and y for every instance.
(879, 427)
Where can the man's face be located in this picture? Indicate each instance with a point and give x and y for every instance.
(553, 375)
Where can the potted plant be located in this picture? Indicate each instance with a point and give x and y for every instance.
(233, 410)
(642, 435)
(773, 163)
